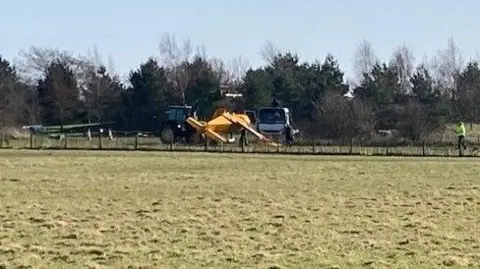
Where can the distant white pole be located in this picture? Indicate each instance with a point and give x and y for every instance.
(110, 135)
(89, 134)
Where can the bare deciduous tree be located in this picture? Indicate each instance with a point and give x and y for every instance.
(89, 65)
(364, 60)
(110, 64)
(403, 62)
(269, 52)
(34, 63)
(448, 65)
(221, 69)
(343, 117)
(176, 58)
(414, 123)
(232, 72)
(96, 85)
(239, 67)
(201, 52)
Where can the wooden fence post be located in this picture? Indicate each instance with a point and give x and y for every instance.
(313, 146)
(100, 146)
(65, 143)
(386, 150)
(136, 141)
(423, 147)
(31, 138)
(1, 140)
(351, 145)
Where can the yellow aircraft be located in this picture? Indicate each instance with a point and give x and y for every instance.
(226, 122)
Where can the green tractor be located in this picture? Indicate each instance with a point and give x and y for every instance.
(174, 127)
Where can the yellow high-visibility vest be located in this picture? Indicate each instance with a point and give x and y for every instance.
(460, 130)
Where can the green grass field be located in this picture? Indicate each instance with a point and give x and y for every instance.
(62, 209)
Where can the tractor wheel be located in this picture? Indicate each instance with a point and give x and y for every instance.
(167, 135)
(195, 139)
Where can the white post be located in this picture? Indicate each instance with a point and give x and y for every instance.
(89, 134)
(110, 135)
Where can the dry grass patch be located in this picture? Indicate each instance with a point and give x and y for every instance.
(177, 210)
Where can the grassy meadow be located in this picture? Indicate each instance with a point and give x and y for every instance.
(84, 209)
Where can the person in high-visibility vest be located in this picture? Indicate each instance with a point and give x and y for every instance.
(460, 130)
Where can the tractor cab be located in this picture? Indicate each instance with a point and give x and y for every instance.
(178, 113)
(174, 123)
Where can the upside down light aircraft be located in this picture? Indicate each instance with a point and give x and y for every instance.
(226, 122)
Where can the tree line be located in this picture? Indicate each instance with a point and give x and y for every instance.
(54, 87)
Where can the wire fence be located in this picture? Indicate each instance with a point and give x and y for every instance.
(151, 142)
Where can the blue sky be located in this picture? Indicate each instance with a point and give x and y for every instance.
(130, 31)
